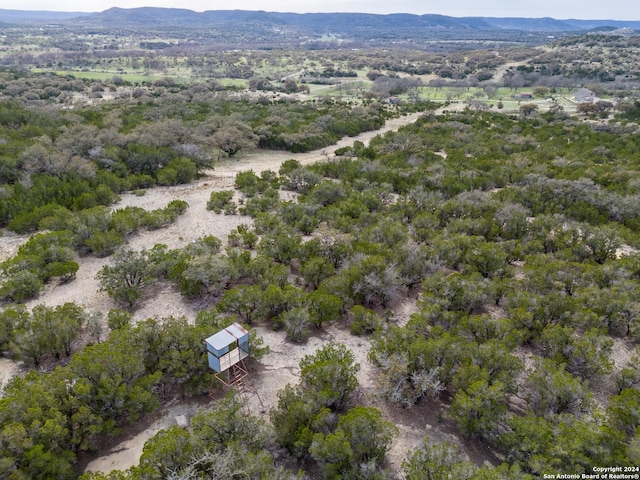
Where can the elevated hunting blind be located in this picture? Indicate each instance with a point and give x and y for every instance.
(226, 351)
(228, 347)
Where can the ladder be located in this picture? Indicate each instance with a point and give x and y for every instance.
(238, 377)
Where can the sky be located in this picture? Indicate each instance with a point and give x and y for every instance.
(559, 9)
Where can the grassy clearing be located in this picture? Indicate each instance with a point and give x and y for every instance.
(232, 82)
(511, 99)
(136, 78)
(103, 76)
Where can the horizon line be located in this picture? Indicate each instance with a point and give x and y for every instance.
(313, 13)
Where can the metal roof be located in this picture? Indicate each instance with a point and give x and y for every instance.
(221, 339)
(237, 331)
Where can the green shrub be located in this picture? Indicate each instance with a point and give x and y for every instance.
(65, 271)
(167, 176)
(250, 184)
(289, 166)
(296, 324)
(177, 206)
(219, 201)
(186, 170)
(104, 243)
(29, 221)
(21, 286)
(230, 208)
(140, 181)
(363, 320)
(118, 318)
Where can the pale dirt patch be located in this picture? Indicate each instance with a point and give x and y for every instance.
(625, 251)
(281, 365)
(8, 368)
(604, 387)
(9, 244)
(125, 451)
(622, 352)
(403, 309)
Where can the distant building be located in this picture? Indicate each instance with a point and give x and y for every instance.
(584, 95)
(526, 94)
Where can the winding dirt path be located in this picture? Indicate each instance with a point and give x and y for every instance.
(270, 160)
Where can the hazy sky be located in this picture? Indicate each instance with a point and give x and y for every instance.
(583, 9)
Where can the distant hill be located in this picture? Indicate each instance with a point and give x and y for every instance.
(547, 24)
(363, 27)
(175, 16)
(35, 16)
